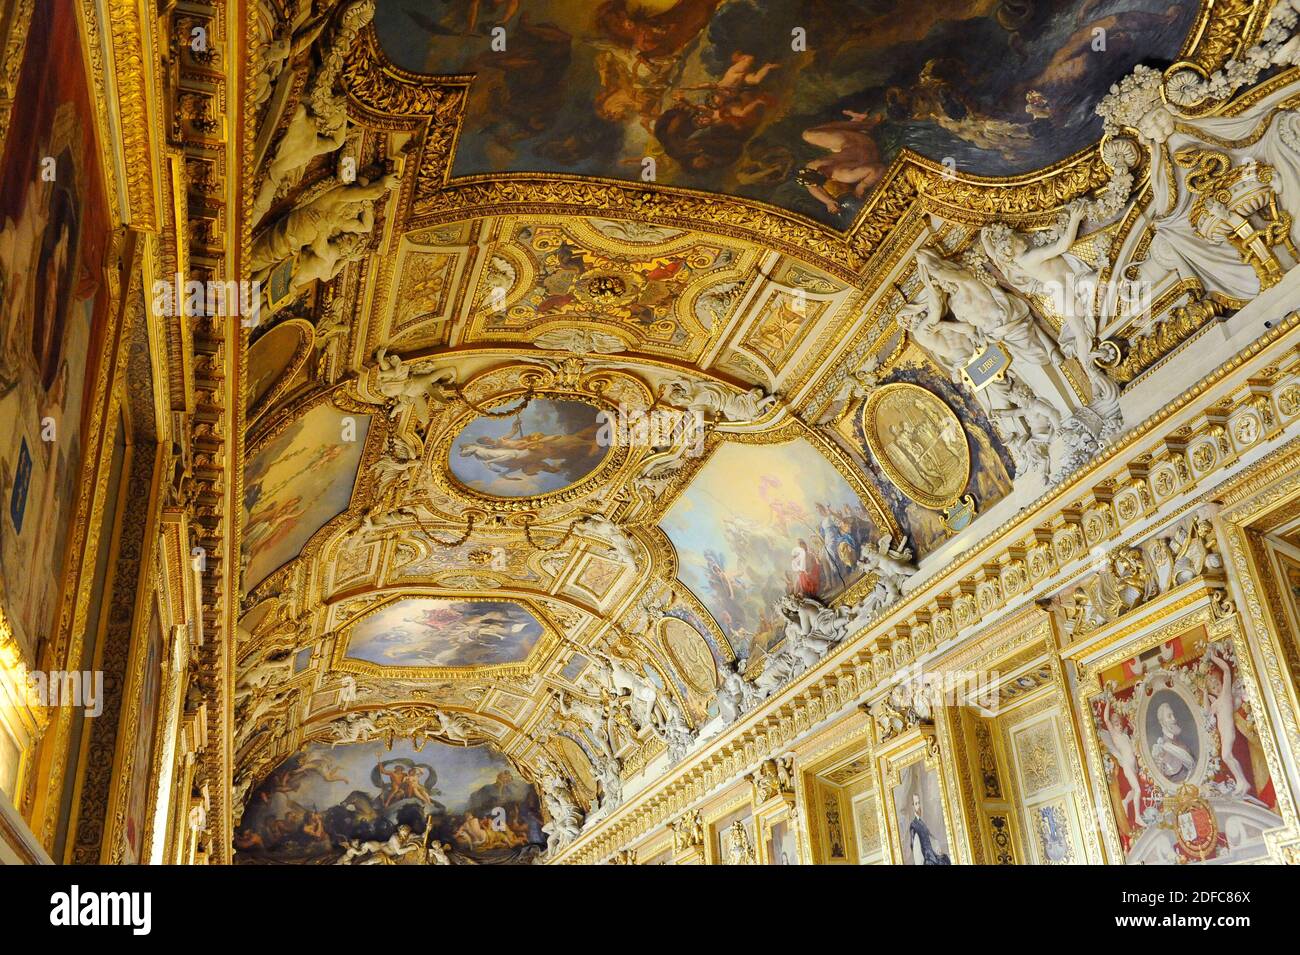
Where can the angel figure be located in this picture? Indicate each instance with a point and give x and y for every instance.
(354, 728)
(625, 684)
(393, 467)
(860, 382)
(996, 314)
(276, 52)
(588, 716)
(857, 384)
(1119, 743)
(453, 726)
(1221, 704)
(1195, 550)
(716, 402)
(950, 341)
(735, 694)
(435, 852)
(892, 566)
(271, 668)
(411, 386)
(347, 691)
(319, 124)
(1032, 424)
(565, 822)
(1050, 271)
(612, 536)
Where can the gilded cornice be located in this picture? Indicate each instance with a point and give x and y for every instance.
(121, 86)
(1223, 28)
(86, 525)
(132, 47)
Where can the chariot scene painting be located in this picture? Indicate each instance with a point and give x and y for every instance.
(366, 804)
(798, 103)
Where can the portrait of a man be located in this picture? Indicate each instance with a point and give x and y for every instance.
(1172, 738)
(919, 805)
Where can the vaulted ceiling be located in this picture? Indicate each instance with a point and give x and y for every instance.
(554, 232)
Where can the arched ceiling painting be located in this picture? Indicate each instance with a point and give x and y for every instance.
(800, 103)
(534, 462)
(325, 804)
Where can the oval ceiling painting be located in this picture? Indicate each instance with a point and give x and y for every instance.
(548, 446)
(433, 632)
(918, 442)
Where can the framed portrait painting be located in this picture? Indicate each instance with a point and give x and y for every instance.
(1175, 736)
(54, 231)
(919, 820)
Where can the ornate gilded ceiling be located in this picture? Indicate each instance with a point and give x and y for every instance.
(545, 453)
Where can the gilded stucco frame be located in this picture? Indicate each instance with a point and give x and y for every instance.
(924, 745)
(1204, 607)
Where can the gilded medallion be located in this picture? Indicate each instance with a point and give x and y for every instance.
(691, 655)
(919, 443)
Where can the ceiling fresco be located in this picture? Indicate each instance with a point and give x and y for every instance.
(760, 521)
(428, 632)
(558, 476)
(652, 288)
(547, 446)
(366, 804)
(728, 95)
(295, 483)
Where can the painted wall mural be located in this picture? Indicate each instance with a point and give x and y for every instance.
(433, 632)
(53, 315)
(363, 804)
(548, 446)
(1185, 774)
(296, 483)
(722, 95)
(761, 521)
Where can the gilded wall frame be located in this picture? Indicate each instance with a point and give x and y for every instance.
(41, 797)
(918, 749)
(151, 596)
(1149, 631)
